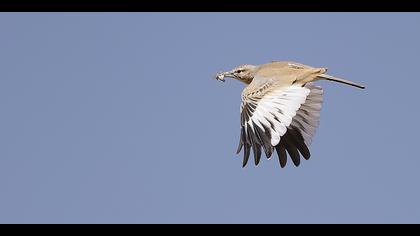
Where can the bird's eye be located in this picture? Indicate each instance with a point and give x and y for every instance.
(239, 71)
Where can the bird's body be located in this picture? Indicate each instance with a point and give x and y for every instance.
(280, 108)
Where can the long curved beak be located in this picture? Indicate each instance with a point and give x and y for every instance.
(221, 75)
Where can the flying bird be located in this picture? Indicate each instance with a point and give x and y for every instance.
(280, 108)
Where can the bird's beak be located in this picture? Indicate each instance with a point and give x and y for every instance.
(221, 75)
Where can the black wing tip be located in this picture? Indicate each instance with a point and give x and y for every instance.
(281, 153)
(282, 164)
(245, 161)
(291, 144)
(257, 154)
(288, 144)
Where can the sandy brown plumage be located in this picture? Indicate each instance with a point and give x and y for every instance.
(280, 108)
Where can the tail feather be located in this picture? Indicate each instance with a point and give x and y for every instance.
(332, 78)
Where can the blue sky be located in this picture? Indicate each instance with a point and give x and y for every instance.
(117, 118)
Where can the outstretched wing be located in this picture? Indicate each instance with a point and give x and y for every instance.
(300, 132)
(280, 117)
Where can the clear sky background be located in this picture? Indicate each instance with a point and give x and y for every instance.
(117, 118)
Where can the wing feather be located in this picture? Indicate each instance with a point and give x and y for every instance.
(279, 117)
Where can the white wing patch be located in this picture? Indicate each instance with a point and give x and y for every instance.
(307, 117)
(283, 119)
(276, 110)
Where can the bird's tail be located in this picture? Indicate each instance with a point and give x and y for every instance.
(332, 78)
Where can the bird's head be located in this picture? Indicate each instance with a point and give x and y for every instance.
(244, 73)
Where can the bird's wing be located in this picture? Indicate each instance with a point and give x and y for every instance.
(271, 110)
(308, 115)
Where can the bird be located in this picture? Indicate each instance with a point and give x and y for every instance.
(280, 108)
